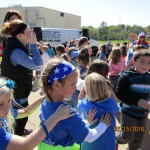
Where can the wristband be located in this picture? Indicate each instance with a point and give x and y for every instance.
(45, 129)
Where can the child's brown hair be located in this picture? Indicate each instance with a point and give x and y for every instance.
(142, 52)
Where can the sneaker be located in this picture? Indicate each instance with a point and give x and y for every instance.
(27, 131)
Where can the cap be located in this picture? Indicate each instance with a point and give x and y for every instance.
(74, 54)
(142, 35)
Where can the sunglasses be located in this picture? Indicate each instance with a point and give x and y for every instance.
(142, 37)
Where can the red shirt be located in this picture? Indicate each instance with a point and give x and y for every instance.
(1, 50)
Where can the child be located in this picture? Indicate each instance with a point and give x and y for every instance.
(133, 90)
(123, 49)
(130, 55)
(109, 47)
(82, 42)
(59, 81)
(116, 65)
(83, 61)
(102, 53)
(99, 98)
(45, 56)
(9, 141)
(60, 49)
(50, 50)
(141, 40)
(102, 68)
(72, 55)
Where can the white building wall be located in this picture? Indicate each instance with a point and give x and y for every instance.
(44, 17)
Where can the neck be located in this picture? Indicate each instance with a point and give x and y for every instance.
(56, 97)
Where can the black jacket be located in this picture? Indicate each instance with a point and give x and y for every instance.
(21, 75)
(131, 87)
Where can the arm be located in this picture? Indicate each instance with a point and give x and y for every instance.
(22, 113)
(123, 92)
(105, 59)
(98, 130)
(32, 140)
(19, 57)
(144, 104)
(90, 117)
(81, 94)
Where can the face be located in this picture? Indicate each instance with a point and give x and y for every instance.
(69, 86)
(142, 64)
(24, 37)
(5, 105)
(142, 38)
(13, 17)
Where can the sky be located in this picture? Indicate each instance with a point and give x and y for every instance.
(94, 12)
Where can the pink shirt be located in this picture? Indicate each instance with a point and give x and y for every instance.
(115, 69)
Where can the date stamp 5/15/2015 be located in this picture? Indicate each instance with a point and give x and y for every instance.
(132, 129)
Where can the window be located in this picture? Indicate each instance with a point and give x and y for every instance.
(62, 14)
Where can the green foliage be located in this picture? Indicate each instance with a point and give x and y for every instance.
(115, 32)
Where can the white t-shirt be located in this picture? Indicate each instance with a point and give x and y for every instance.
(45, 58)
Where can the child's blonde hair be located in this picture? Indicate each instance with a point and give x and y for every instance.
(96, 87)
(4, 89)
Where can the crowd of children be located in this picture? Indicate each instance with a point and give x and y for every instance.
(81, 95)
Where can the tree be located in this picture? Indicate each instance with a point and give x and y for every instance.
(118, 32)
(103, 31)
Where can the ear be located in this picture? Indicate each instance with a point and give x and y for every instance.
(56, 84)
(18, 35)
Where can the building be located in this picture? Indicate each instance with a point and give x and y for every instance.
(45, 17)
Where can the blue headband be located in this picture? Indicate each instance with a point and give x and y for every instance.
(62, 70)
(9, 83)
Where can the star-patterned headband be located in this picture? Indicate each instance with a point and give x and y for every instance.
(62, 70)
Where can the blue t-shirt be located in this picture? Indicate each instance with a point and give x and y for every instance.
(107, 139)
(83, 72)
(102, 56)
(14, 112)
(51, 52)
(66, 132)
(129, 55)
(5, 137)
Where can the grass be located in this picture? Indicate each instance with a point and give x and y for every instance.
(113, 42)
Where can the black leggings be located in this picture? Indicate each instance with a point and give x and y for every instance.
(20, 123)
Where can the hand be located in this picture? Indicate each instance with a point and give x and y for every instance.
(90, 116)
(143, 103)
(63, 112)
(32, 37)
(106, 119)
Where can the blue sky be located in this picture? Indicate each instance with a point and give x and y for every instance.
(93, 12)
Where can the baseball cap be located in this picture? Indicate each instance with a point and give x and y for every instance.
(74, 54)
